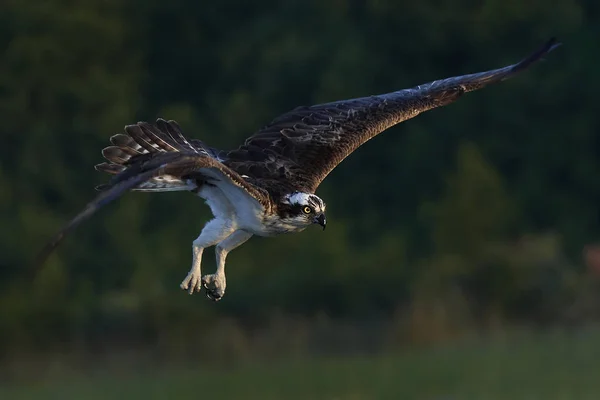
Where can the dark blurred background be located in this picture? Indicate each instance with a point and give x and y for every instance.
(448, 234)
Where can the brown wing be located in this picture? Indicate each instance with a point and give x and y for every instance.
(300, 148)
(144, 141)
(194, 166)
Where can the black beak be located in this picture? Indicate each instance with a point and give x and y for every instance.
(320, 219)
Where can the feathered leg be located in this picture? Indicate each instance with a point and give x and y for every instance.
(214, 231)
(215, 283)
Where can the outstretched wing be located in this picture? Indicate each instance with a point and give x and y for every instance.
(192, 166)
(143, 141)
(300, 148)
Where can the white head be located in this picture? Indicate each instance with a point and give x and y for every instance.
(302, 209)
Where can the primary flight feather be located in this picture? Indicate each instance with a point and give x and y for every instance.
(266, 186)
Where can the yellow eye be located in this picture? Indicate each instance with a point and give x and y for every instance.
(307, 210)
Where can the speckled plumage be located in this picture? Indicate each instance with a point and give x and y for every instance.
(249, 188)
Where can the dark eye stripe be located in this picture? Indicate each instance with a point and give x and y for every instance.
(314, 201)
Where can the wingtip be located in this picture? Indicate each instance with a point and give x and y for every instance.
(537, 56)
(44, 254)
(552, 44)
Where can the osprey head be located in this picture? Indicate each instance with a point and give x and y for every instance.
(303, 209)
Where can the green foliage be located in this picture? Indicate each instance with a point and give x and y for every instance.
(479, 209)
(475, 208)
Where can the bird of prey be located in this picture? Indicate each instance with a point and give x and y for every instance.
(267, 185)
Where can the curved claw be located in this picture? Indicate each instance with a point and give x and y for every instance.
(215, 287)
(212, 295)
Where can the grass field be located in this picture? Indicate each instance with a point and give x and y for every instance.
(544, 366)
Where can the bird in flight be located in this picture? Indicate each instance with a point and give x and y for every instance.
(266, 186)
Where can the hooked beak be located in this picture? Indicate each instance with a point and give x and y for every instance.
(320, 219)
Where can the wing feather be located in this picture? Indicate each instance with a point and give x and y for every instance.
(139, 136)
(142, 142)
(300, 148)
(172, 129)
(159, 137)
(172, 165)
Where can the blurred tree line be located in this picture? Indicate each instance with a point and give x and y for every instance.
(472, 214)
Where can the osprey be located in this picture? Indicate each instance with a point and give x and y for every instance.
(267, 185)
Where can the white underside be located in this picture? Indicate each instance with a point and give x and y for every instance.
(233, 205)
(238, 216)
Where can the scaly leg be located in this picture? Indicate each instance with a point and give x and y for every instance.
(214, 231)
(215, 283)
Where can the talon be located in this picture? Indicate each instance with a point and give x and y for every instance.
(215, 286)
(213, 296)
